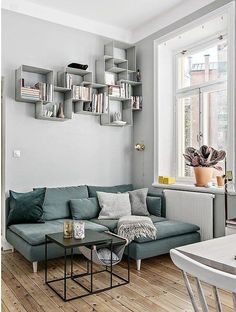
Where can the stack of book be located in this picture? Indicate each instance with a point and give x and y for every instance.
(125, 90)
(114, 91)
(45, 91)
(30, 93)
(68, 81)
(82, 93)
(98, 105)
(136, 102)
(64, 80)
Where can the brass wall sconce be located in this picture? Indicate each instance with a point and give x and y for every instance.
(139, 147)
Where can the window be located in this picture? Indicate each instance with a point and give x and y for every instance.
(201, 113)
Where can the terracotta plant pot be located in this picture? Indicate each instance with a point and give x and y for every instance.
(203, 175)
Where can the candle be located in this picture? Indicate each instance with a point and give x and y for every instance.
(79, 231)
(68, 229)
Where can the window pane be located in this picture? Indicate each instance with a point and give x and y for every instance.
(206, 65)
(215, 122)
(188, 130)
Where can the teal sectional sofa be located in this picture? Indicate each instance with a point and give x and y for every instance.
(28, 239)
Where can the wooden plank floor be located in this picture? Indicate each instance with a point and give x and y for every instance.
(157, 287)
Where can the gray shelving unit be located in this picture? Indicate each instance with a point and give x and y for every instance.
(31, 75)
(115, 67)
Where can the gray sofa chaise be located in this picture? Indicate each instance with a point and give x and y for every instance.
(28, 239)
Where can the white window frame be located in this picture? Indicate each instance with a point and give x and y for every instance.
(197, 89)
(231, 86)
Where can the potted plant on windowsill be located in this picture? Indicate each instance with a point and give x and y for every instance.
(203, 161)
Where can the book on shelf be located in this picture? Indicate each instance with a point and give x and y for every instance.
(45, 91)
(136, 102)
(99, 104)
(114, 91)
(30, 93)
(125, 90)
(81, 93)
(64, 80)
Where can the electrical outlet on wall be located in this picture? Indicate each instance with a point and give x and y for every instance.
(16, 153)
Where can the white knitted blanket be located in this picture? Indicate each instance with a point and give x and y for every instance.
(130, 227)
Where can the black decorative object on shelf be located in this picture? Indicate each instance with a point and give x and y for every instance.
(77, 65)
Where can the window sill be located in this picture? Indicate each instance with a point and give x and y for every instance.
(191, 187)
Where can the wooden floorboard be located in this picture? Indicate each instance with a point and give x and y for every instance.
(158, 287)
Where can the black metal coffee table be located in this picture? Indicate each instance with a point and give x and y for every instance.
(91, 238)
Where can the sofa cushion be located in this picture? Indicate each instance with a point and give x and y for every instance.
(26, 207)
(34, 234)
(111, 224)
(169, 228)
(154, 205)
(84, 208)
(157, 219)
(56, 203)
(109, 189)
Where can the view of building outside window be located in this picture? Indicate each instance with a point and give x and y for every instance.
(203, 116)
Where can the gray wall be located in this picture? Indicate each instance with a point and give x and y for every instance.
(143, 173)
(75, 152)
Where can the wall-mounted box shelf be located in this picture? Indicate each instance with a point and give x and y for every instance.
(119, 50)
(26, 79)
(61, 96)
(118, 106)
(97, 105)
(74, 76)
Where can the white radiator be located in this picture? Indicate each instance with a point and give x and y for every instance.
(192, 207)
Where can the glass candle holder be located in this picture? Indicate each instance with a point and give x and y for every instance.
(68, 229)
(220, 181)
(79, 229)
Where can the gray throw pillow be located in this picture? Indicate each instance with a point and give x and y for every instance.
(113, 206)
(138, 202)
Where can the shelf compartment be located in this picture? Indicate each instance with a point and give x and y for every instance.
(119, 50)
(61, 95)
(74, 76)
(116, 66)
(123, 107)
(28, 76)
(98, 104)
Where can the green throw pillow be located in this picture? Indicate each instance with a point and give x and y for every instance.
(154, 206)
(84, 208)
(26, 207)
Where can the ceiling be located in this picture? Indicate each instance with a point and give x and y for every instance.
(128, 14)
(124, 20)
